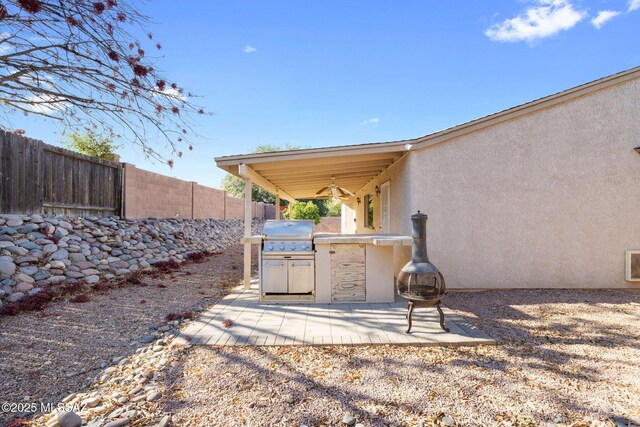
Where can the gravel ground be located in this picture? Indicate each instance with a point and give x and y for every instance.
(47, 355)
(565, 358)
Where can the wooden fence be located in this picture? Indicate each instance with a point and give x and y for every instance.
(39, 178)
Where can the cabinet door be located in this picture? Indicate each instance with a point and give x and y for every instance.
(301, 276)
(274, 276)
(348, 273)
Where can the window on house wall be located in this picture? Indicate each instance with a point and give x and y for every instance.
(368, 211)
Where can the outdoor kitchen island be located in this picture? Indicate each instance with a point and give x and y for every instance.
(352, 268)
(299, 266)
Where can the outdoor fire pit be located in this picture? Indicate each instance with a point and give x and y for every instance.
(419, 281)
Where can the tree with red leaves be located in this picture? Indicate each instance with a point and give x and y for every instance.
(78, 62)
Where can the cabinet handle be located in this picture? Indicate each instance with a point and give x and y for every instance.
(301, 265)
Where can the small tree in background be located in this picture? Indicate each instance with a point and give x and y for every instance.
(302, 210)
(235, 186)
(93, 145)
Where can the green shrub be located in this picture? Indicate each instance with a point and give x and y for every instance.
(302, 210)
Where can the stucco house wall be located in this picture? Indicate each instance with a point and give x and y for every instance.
(400, 189)
(551, 199)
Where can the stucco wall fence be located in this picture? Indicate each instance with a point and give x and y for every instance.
(153, 195)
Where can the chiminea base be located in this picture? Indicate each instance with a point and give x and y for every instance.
(418, 303)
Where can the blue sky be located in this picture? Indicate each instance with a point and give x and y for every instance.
(347, 72)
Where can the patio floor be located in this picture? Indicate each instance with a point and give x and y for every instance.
(257, 324)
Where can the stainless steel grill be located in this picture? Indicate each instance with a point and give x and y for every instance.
(287, 264)
(292, 237)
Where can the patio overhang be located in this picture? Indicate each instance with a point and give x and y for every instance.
(299, 174)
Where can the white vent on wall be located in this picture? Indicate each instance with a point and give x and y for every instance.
(632, 266)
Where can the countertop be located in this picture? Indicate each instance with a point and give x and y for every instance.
(367, 239)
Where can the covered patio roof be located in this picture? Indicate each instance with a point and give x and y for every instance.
(299, 174)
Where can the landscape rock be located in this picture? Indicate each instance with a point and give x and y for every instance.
(46, 251)
(7, 268)
(348, 420)
(68, 419)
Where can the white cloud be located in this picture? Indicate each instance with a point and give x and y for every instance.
(633, 5)
(603, 17)
(249, 49)
(371, 121)
(546, 19)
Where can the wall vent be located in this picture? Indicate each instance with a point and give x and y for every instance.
(632, 266)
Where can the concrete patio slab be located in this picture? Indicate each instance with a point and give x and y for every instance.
(256, 324)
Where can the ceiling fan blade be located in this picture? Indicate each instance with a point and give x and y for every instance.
(322, 190)
(341, 191)
(347, 191)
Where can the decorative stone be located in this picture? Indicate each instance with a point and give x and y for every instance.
(14, 222)
(29, 270)
(92, 402)
(60, 254)
(24, 287)
(29, 246)
(21, 277)
(348, 420)
(77, 257)
(68, 419)
(16, 250)
(15, 297)
(155, 395)
(92, 279)
(50, 248)
(448, 421)
(83, 265)
(58, 264)
(7, 268)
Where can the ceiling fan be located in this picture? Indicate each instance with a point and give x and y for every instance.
(335, 192)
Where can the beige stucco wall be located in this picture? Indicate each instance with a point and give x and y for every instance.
(208, 202)
(148, 194)
(400, 189)
(548, 200)
(235, 208)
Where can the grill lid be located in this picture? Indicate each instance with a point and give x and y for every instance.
(288, 229)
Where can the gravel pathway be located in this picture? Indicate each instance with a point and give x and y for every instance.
(47, 355)
(566, 358)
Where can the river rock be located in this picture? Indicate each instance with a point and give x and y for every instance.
(29, 246)
(77, 257)
(92, 279)
(21, 277)
(14, 222)
(60, 254)
(15, 297)
(7, 268)
(24, 287)
(68, 419)
(50, 248)
(29, 269)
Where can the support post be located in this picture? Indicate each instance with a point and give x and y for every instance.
(247, 233)
(277, 206)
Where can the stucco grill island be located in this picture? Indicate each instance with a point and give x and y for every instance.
(297, 265)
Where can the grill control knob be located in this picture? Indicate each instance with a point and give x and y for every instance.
(304, 247)
(270, 247)
(282, 247)
(293, 248)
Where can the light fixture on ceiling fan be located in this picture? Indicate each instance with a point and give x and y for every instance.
(334, 191)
